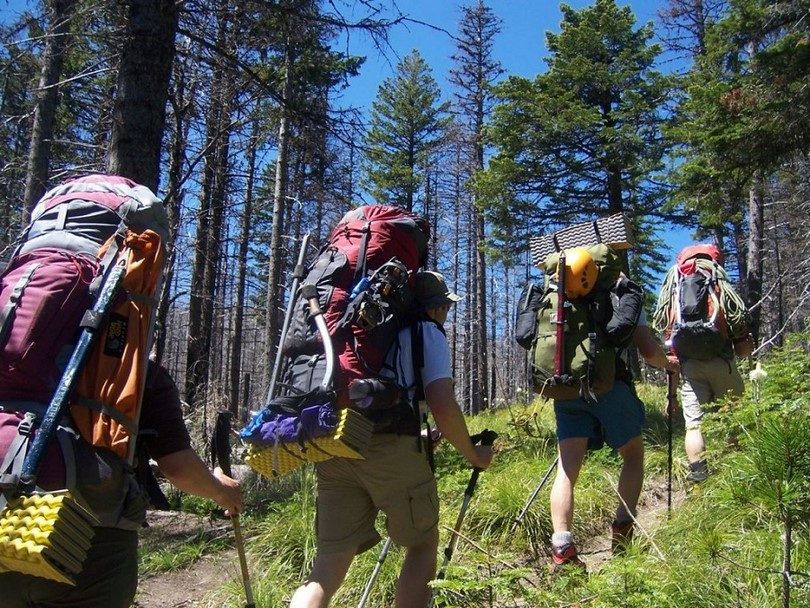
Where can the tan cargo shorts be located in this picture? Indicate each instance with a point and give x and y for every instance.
(705, 382)
(395, 478)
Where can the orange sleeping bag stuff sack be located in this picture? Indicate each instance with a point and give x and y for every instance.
(106, 404)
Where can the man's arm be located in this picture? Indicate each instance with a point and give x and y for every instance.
(189, 473)
(441, 400)
(652, 351)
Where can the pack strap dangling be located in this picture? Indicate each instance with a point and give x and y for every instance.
(13, 302)
(418, 357)
(588, 393)
(360, 269)
(12, 466)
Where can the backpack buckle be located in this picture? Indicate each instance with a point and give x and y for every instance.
(27, 424)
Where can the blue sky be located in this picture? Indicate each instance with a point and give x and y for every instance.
(520, 46)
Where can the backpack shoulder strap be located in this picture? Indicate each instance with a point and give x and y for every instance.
(418, 356)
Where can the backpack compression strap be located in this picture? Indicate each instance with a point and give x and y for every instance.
(418, 355)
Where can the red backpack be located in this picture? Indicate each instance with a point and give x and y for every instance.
(363, 278)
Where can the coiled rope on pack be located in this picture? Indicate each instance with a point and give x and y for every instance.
(731, 303)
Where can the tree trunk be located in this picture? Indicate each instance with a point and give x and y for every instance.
(456, 249)
(46, 104)
(480, 315)
(471, 370)
(241, 276)
(754, 264)
(173, 203)
(209, 222)
(493, 313)
(143, 84)
(279, 201)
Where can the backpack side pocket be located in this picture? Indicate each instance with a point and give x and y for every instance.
(526, 317)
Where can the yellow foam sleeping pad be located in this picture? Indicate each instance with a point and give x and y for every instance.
(45, 535)
(349, 440)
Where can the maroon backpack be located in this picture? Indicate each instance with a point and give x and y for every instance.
(363, 277)
(46, 288)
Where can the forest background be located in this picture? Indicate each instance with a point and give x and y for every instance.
(243, 116)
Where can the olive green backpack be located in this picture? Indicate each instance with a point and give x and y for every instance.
(589, 361)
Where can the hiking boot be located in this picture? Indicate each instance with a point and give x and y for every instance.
(620, 536)
(698, 471)
(565, 556)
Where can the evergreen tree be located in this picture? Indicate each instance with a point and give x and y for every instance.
(407, 123)
(584, 139)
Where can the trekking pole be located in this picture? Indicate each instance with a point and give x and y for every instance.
(222, 452)
(672, 398)
(486, 437)
(380, 560)
(297, 275)
(534, 494)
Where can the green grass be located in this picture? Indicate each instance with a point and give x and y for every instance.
(164, 554)
(721, 548)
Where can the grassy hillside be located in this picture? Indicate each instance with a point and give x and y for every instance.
(739, 539)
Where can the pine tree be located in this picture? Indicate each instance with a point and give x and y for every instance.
(746, 113)
(584, 139)
(407, 123)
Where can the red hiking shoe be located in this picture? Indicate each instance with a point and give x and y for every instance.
(620, 536)
(565, 556)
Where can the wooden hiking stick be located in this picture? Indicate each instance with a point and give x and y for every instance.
(222, 453)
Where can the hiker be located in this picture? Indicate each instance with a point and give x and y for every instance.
(618, 417)
(395, 476)
(576, 329)
(110, 572)
(704, 338)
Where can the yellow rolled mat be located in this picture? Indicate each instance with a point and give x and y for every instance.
(349, 440)
(45, 535)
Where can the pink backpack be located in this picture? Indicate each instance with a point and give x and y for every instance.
(47, 291)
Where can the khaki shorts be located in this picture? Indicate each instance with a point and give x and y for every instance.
(704, 382)
(395, 478)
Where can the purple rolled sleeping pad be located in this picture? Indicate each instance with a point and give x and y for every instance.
(271, 428)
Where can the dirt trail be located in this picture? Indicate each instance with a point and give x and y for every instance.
(652, 511)
(197, 585)
(192, 586)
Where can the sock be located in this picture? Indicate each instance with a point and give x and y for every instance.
(561, 539)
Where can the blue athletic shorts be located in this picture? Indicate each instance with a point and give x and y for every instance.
(618, 416)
